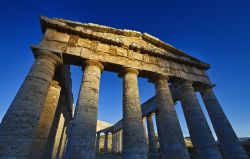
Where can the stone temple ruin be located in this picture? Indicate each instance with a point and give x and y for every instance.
(39, 123)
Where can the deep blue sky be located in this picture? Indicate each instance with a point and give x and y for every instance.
(217, 32)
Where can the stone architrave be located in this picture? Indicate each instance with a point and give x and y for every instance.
(200, 133)
(228, 140)
(82, 137)
(20, 123)
(171, 139)
(133, 131)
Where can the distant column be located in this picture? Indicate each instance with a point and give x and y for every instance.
(200, 133)
(39, 149)
(113, 142)
(20, 123)
(153, 151)
(133, 133)
(171, 139)
(120, 141)
(228, 140)
(98, 143)
(82, 136)
(106, 140)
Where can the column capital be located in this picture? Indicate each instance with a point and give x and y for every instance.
(93, 63)
(183, 82)
(130, 70)
(159, 78)
(43, 53)
(202, 86)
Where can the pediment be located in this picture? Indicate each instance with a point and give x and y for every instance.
(134, 40)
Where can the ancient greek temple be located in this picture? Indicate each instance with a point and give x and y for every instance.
(41, 122)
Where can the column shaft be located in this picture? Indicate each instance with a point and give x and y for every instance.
(228, 140)
(200, 133)
(98, 143)
(42, 138)
(106, 142)
(153, 151)
(133, 133)
(20, 123)
(82, 136)
(171, 139)
(113, 141)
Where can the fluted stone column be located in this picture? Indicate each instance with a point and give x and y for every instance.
(116, 142)
(228, 140)
(39, 149)
(20, 123)
(120, 141)
(97, 143)
(200, 133)
(153, 151)
(134, 141)
(113, 142)
(106, 140)
(60, 134)
(82, 136)
(171, 139)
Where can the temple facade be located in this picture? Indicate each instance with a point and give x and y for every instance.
(40, 122)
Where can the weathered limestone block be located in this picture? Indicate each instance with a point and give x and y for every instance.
(153, 151)
(45, 124)
(200, 133)
(82, 137)
(133, 132)
(227, 138)
(20, 123)
(106, 143)
(171, 140)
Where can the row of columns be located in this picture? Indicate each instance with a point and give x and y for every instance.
(35, 123)
(116, 142)
(20, 124)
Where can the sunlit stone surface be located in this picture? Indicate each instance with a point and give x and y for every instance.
(40, 122)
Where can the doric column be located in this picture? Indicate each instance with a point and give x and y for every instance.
(60, 134)
(171, 139)
(116, 142)
(39, 147)
(97, 147)
(82, 136)
(20, 123)
(153, 151)
(121, 140)
(133, 132)
(113, 141)
(106, 140)
(200, 133)
(228, 140)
